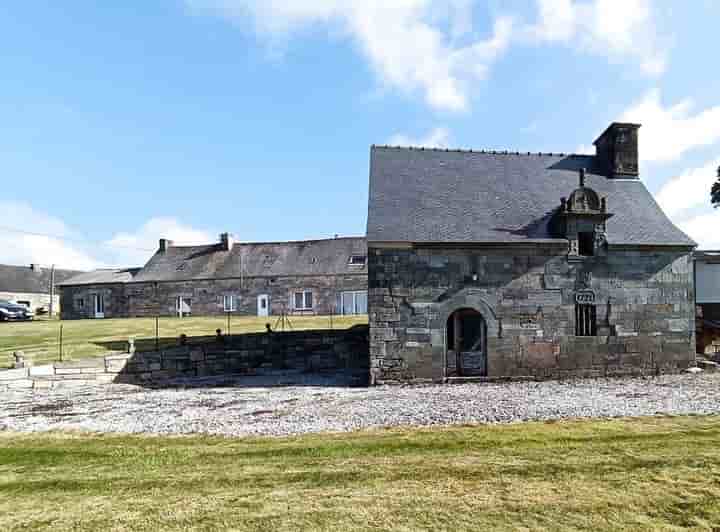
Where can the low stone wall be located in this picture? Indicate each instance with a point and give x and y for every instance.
(342, 352)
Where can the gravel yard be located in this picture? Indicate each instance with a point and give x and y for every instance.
(242, 411)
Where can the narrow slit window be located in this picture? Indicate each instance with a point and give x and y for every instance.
(585, 320)
(586, 244)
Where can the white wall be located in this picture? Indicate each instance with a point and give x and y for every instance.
(36, 300)
(707, 282)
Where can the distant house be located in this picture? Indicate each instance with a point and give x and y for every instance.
(304, 277)
(31, 285)
(507, 264)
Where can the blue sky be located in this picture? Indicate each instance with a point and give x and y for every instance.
(124, 122)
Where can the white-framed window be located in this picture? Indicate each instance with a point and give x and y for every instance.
(229, 303)
(303, 300)
(357, 260)
(353, 302)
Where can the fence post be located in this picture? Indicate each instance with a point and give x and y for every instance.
(61, 343)
(157, 333)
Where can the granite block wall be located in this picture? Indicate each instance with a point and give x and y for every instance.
(158, 299)
(343, 352)
(527, 297)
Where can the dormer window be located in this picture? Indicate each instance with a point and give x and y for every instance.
(357, 260)
(582, 220)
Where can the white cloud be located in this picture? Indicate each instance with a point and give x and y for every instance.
(412, 45)
(690, 189)
(135, 248)
(58, 248)
(437, 138)
(668, 132)
(602, 27)
(23, 240)
(703, 229)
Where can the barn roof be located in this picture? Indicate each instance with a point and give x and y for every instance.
(29, 279)
(184, 263)
(102, 276)
(432, 195)
(310, 257)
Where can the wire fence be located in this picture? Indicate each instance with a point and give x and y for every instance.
(53, 340)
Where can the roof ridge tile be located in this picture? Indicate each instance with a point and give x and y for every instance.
(476, 150)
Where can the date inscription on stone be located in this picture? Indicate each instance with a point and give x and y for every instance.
(586, 297)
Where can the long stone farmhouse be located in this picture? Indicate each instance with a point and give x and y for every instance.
(523, 264)
(32, 285)
(263, 279)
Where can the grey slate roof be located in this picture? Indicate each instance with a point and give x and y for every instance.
(102, 276)
(23, 279)
(311, 257)
(431, 195)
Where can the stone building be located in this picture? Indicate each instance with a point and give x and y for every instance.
(32, 285)
(306, 277)
(495, 264)
(707, 299)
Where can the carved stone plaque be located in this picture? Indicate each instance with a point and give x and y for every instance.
(585, 297)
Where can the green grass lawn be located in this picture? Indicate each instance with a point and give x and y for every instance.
(39, 340)
(638, 474)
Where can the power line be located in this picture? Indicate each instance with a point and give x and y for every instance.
(67, 239)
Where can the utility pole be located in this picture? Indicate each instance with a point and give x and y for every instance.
(51, 310)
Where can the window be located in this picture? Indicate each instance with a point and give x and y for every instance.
(24, 303)
(586, 244)
(353, 302)
(303, 300)
(80, 302)
(585, 320)
(229, 302)
(358, 260)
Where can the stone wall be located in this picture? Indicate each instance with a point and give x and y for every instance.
(158, 299)
(77, 301)
(527, 297)
(343, 352)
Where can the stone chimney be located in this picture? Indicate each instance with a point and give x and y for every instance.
(226, 241)
(616, 150)
(165, 244)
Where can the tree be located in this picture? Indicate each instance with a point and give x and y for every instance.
(715, 191)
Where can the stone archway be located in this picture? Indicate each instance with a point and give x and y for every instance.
(469, 298)
(466, 341)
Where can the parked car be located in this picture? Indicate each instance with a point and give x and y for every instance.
(12, 311)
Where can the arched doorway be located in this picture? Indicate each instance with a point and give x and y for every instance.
(466, 343)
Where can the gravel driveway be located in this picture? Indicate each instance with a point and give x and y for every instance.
(242, 411)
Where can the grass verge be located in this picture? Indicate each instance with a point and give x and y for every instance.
(40, 340)
(633, 474)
